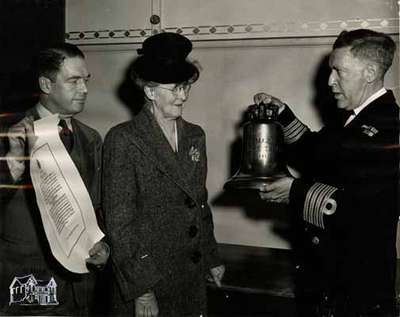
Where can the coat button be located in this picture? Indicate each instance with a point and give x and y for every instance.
(189, 202)
(193, 231)
(195, 257)
(315, 240)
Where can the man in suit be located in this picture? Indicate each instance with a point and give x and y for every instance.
(62, 78)
(345, 204)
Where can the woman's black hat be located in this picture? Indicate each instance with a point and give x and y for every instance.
(162, 59)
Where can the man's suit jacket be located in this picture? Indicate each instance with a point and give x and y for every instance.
(352, 171)
(23, 244)
(157, 216)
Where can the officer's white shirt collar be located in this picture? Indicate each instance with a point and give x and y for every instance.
(44, 112)
(371, 98)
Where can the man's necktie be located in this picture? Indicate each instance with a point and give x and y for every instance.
(350, 114)
(345, 115)
(66, 136)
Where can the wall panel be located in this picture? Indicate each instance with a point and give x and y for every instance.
(125, 21)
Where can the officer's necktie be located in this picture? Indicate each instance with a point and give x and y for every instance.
(344, 115)
(349, 116)
(66, 136)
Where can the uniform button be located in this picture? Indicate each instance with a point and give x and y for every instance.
(195, 257)
(202, 206)
(193, 231)
(189, 202)
(315, 240)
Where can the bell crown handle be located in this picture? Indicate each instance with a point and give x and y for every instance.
(262, 112)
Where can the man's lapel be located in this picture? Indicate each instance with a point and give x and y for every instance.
(387, 98)
(82, 151)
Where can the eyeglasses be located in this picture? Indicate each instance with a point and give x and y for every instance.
(178, 88)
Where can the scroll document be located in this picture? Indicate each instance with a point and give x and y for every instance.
(65, 206)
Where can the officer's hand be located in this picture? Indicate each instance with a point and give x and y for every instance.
(277, 190)
(99, 254)
(146, 305)
(262, 97)
(217, 273)
(20, 133)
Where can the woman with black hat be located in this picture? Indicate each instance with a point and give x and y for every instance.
(159, 223)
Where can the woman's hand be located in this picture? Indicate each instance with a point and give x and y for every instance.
(264, 98)
(146, 305)
(217, 273)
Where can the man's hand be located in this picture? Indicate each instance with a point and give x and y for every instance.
(217, 273)
(278, 190)
(99, 254)
(19, 134)
(146, 305)
(262, 97)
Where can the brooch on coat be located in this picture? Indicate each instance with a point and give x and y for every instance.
(194, 153)
(369, 130)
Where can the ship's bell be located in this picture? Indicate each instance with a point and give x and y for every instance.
(263, 156)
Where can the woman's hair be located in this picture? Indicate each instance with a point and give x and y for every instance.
(141, 83)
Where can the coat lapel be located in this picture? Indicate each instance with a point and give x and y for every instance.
(188, 153)
(387, 98)
(150, 139)
(82, 153)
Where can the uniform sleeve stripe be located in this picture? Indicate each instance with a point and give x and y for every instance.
(315, 204)
(309, 205)
(322, 192)
(295, 134)
(315, 201)
(293, 131)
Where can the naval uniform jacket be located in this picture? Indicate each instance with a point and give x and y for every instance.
(24, 248)
(346, 206)
(157, 217)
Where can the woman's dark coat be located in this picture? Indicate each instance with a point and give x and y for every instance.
(157, 217)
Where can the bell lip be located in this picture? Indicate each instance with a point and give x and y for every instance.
(250, 182)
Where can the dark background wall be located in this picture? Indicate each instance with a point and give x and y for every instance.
(25, 27)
